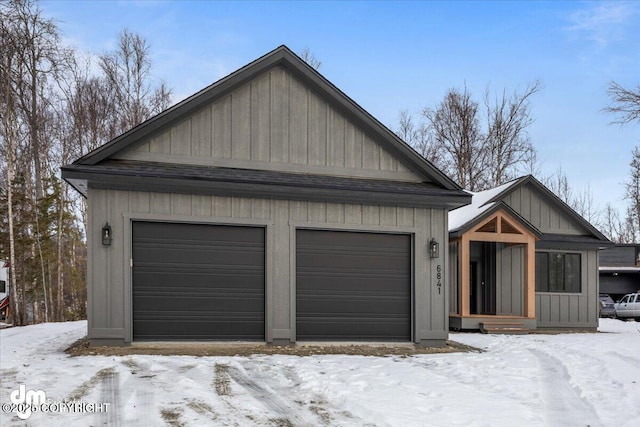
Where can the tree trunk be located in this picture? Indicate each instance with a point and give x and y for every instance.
(59, 272)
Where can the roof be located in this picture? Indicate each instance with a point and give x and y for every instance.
(463, 218)
(179, 178)
(281, 56)
(481, 203)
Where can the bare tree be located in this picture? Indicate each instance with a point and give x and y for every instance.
(625, 103)
(417, 135)
(127, 71)
(507, 142)
(632, 194)
(453, 138)
(558, 183)
(455, 128)
(9, 136)
(307, 56)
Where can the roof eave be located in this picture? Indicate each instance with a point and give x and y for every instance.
(133, 182)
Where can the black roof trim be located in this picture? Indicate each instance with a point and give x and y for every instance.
(530, 179)
(160, 177)
(285, 57)
(498, 206)
(571, 242)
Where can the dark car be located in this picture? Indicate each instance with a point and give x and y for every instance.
(607, 306)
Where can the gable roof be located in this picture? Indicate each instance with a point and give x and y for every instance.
(487, 211)
(281, 56)
(462, 219)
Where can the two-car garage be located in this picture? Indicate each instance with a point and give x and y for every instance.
(207, 282)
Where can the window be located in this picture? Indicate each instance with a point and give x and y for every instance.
(3, 286)
(558, 272)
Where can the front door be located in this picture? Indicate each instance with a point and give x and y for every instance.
(483, 278)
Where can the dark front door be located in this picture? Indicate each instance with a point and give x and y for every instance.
(197, 282)
(483, 278)
(353, 286)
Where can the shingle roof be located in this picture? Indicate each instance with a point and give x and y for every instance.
(136, 175)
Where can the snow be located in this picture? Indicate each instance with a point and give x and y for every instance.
(532, 380)
(479, 204)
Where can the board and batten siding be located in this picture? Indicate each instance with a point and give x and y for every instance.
(453, 278)
(572, 310)
(276, 123)
(509, 280)
(109, 272)
(542, 214)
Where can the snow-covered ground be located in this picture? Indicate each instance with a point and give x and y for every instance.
(533, 380)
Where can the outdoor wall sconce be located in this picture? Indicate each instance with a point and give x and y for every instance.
(434, 248)
(106, 235)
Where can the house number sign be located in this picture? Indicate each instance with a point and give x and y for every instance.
(439, 278)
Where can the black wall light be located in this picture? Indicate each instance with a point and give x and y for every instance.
(434, 248)
(106, 235)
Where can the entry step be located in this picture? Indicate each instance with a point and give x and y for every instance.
(513, 328)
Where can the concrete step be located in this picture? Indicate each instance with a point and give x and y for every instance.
(512, 328)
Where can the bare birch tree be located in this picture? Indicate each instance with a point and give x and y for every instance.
(9, 136)
(127, 72)
(454, 125)
(478, 147)
(507, 141)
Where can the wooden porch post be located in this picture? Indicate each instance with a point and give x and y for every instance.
(530, 278)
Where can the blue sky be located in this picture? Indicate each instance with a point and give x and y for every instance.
(390, 56)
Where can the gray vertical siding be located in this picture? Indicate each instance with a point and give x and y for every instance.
(453, 278)
(109, 272)
(276, 123)
(560, 309)
(567, 310)
(541, 213)
(509, 280)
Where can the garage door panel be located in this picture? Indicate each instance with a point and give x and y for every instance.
(353, 286)
(227, 303)
(196, 282)
(200, 329)
(339, 329)
(184, 254)
(334, 283)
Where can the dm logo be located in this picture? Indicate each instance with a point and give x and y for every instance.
(26, 400)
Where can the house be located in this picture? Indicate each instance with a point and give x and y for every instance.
(521, 258)
(620, 270)
(271, 207)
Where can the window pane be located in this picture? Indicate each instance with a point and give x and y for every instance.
(556, 272)
(542, 272)
(572, 273)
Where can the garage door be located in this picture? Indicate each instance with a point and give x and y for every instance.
(353, 286)
(197, 282)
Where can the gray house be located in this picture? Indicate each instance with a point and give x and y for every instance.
(269, 206)
(620, 270)
(521, 258)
